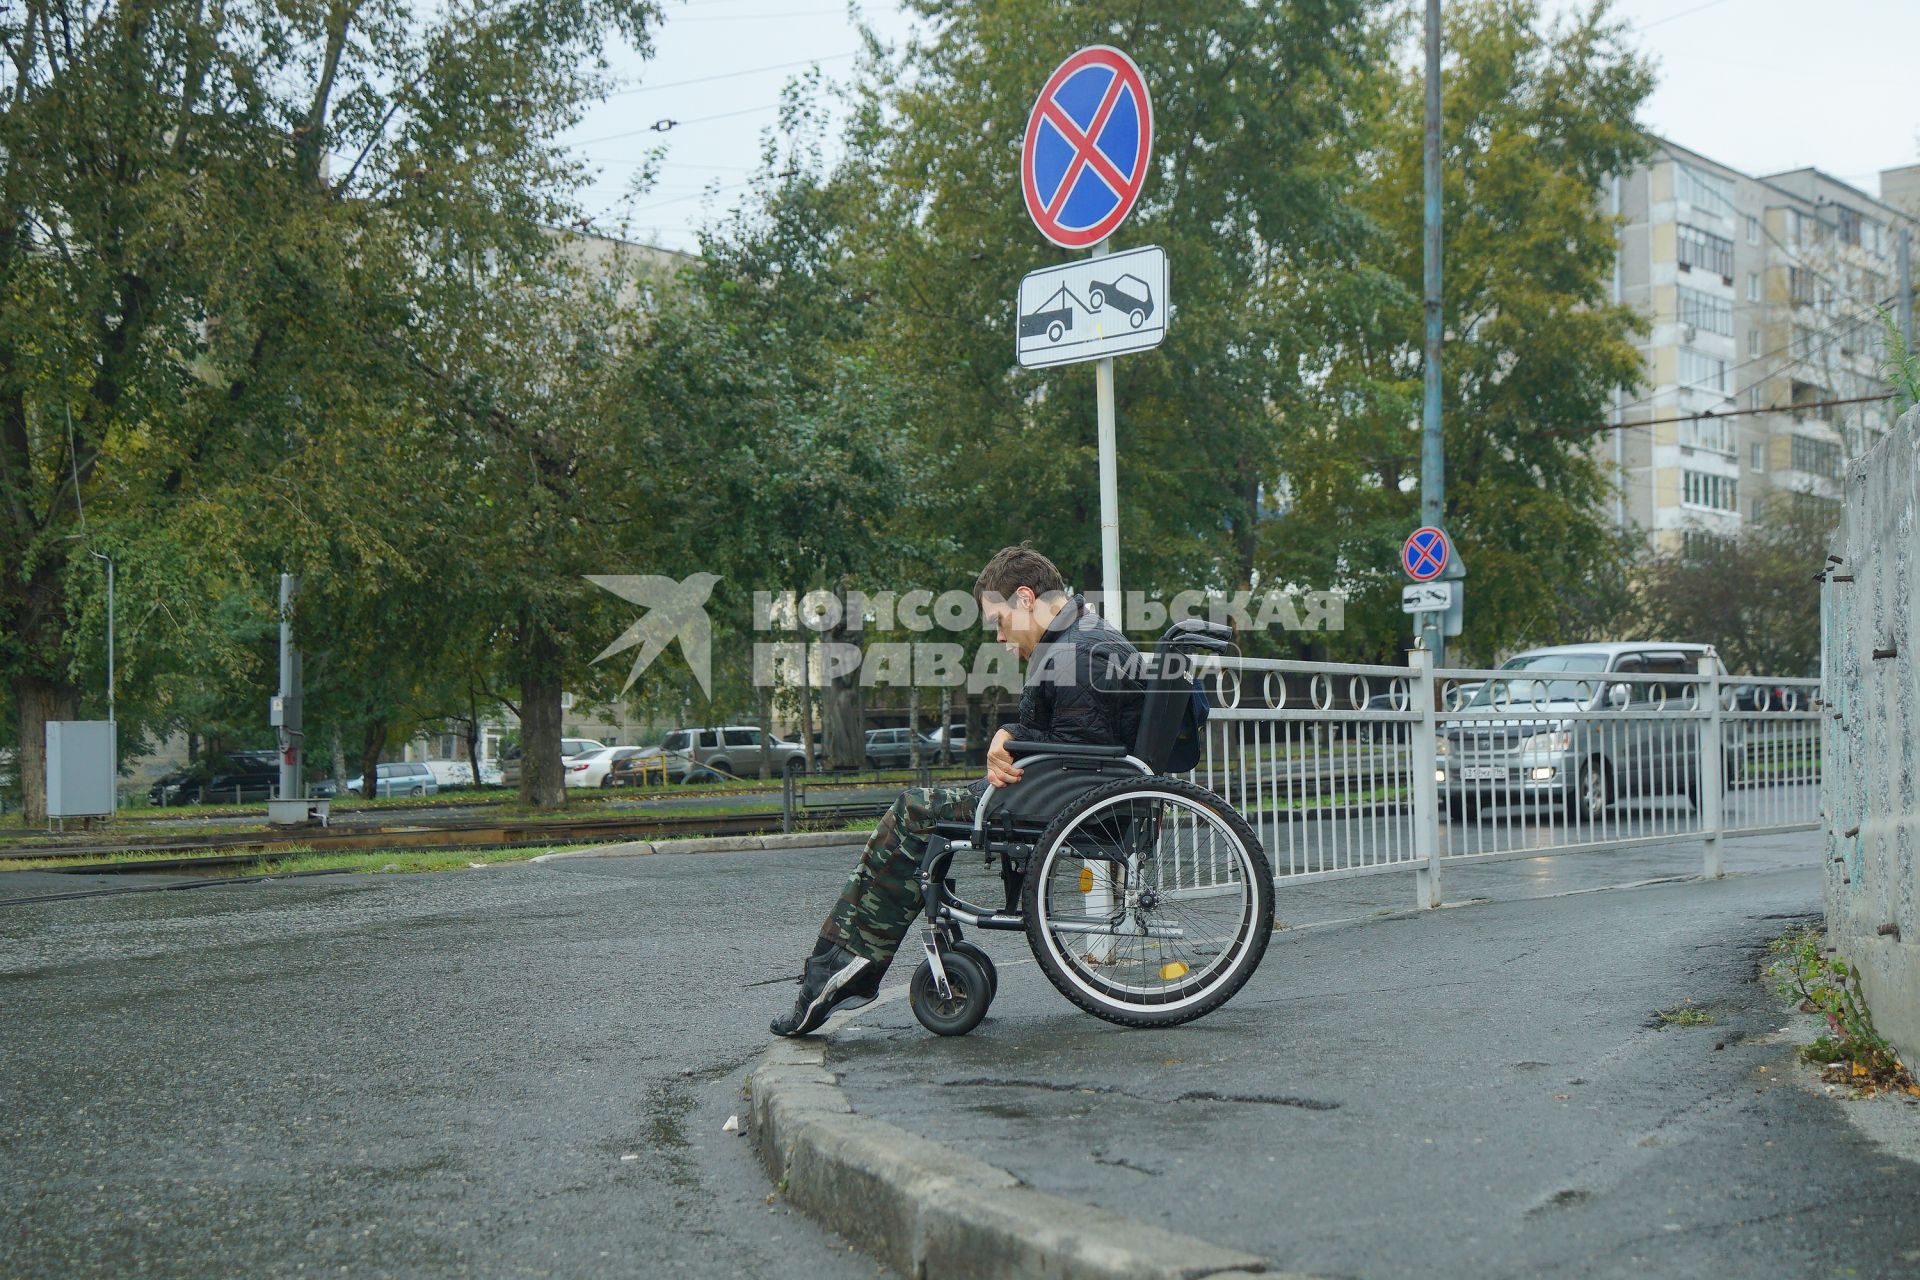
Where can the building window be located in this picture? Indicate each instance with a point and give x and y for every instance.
(1757, 457)
(1707, 251)
(1698, 369)
(1716, 493)
(1704, 191)
(1857, 337)
(1817, 457)
(1705, 311)
(1714, 434)
(1699, 542)
(1807, 397)
(1849, 224)
(1753, 342)
(1800, 286)
(1753, 229)
(1753, 286)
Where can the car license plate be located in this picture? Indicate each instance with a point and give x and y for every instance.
(1483, 773)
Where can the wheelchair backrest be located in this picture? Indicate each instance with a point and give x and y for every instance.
(1169, 686)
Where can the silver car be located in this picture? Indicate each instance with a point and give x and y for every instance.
(710, 755)
(1582, 759)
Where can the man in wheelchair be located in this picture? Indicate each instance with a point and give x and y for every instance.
(1081, 687)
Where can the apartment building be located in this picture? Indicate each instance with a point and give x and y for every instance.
(1763, 296)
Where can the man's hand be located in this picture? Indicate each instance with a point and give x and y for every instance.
(1001, 770)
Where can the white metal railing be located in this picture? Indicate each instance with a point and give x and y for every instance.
(1347, 770)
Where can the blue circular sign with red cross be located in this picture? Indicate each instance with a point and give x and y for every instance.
(1088, 139)
(1425, 554)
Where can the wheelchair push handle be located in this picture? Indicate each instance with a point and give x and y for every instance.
(1196, 633)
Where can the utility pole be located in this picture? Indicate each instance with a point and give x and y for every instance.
(1433, 458)
(287, 721)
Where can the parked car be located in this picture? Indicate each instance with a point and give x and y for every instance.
(735, 750)
(248, 778)
(250, 775)
(592, 768)
(1587, 765)
(955, 736)
(1367, 732)
(451, 773)
(893, 748)
(167, 788)
(395, 778)
(511, 758)
(1770, 697)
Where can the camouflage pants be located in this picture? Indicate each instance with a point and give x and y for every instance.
(883, 894)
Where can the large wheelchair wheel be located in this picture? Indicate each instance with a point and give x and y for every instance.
(1149, 902)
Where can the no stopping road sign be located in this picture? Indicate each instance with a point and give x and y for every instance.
(1088, 139)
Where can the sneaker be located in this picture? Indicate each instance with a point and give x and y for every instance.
(833, 979)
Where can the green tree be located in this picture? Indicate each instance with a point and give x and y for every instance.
(768, 372)
(1753, 597)
(1534, 124)
(225, 232)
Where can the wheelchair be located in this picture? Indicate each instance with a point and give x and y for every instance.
(1146, 900)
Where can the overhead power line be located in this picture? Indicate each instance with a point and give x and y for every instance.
(1603, 427)
(666, 124)
(730, 75)
(1675, 17)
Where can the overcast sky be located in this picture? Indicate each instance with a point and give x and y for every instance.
(1761, 85)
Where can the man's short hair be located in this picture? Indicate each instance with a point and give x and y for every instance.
(1014, 567)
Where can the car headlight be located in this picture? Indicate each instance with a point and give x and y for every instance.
(1440, 747)
(1547, 742)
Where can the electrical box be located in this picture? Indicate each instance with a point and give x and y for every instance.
(277, 712)
(80, 768)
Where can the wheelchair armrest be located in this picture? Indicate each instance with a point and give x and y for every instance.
(1049, 786)
(1073, 750)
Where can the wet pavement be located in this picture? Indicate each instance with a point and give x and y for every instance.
(1484, 1090)
(518, 1071)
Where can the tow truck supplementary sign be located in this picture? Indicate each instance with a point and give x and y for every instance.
(1091, 309)
(1426, 597)
(1088, 139)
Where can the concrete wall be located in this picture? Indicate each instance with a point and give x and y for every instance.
(1870, 783)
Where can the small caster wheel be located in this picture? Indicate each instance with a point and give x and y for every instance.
(980, 957)
(960, 1013)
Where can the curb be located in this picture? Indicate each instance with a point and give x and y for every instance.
(711, 844)
(930, 1212)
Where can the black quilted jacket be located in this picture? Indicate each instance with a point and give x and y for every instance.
(1083, 683)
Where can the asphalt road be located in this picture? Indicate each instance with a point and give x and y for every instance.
(1476, 1092)
(406, 1076)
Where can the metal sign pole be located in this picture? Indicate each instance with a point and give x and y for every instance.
(1433, 473)
(1109, 481)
